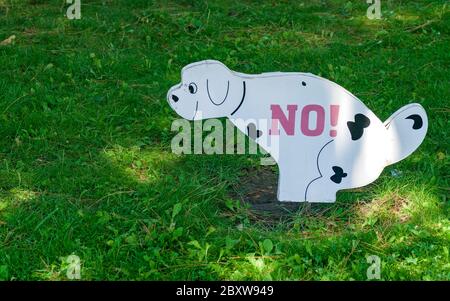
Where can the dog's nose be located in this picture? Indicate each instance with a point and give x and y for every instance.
(174, 98)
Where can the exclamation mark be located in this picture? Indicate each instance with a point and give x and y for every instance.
(334, 115)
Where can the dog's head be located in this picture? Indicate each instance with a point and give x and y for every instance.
(208, 89)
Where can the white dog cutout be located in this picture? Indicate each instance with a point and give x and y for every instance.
(326, 138)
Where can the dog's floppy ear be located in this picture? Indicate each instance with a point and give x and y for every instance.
(218, 83)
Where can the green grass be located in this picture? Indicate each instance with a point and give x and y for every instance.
(85, 160)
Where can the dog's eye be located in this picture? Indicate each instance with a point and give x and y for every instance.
(192, 88)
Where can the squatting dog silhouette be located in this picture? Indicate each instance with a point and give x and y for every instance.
(327, 139)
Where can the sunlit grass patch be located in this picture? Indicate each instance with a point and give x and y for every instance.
(144, 165)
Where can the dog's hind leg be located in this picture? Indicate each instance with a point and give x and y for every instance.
(291, 184)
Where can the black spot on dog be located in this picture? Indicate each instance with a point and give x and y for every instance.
(357, 127)
(253, 132)
(303, 84)
(338, 174)
(418, 122)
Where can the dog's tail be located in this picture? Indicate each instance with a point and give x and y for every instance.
(406, 129)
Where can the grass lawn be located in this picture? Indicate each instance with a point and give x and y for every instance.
(86, 166)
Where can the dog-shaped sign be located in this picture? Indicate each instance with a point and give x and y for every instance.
(327, 139)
